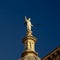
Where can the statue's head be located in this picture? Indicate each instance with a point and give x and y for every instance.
(29, 19)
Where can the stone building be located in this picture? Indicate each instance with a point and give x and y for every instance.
(54, 55)
(29, 43)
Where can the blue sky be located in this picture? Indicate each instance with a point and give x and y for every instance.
(44, 13)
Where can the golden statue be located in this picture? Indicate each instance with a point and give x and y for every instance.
(28, 23)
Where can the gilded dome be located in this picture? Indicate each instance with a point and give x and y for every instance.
(30, 58)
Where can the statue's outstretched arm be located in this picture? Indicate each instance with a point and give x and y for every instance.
(25, 18)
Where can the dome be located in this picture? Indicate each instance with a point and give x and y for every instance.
(30, 58)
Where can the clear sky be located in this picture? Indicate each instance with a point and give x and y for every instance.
(45, 16)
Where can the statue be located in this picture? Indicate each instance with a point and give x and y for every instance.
(28, 23)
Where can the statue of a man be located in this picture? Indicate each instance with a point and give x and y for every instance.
(28, 23)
